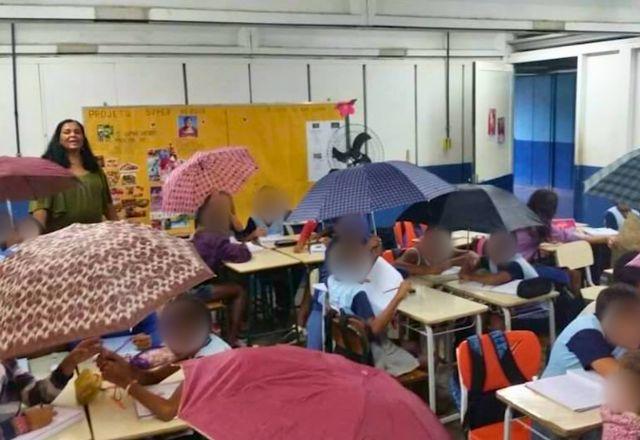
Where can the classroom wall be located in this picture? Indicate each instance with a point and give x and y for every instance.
(398, 77)
(607, 123)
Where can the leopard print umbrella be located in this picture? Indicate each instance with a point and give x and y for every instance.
(88, 280)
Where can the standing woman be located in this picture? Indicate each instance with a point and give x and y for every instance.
(89, 202)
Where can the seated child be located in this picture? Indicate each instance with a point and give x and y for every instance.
(432, 255)
(627, 269)
(501, 265)
(351, 261)
(595, 341)
(616, 215)
(235, 225)
(25, 229)
(185, 325)
(211, 240)
(269, 213)
(621, 413)
(20, 387)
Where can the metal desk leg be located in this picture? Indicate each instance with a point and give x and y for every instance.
(479, 325)
(552, 321)
(252, 296)
(506, 429)
(431, 368)
(507, 318)
(292, 304)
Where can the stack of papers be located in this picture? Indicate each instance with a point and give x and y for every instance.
(165, 390)
(600, 232)
(64, 418)
(578, 390)
(510, 288)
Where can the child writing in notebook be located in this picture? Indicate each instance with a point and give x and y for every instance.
(595, 341)
(621, 412)
(351, 260)
(432, 255)
(185, 325)
(501, 265)
(211, 240)
(19, 387)
(269, 213)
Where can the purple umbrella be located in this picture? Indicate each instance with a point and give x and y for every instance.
(368, 188)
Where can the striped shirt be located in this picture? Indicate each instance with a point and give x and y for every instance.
(20, 387)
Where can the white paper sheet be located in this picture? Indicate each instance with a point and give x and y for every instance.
(384, 280)
(577, 390)
(600, 232)
(163, 390)
(510, 288)
(124, 345)
(319, 134)
(64, 418)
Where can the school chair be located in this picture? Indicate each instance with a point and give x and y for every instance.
(578, 255)
(350, 338)
(495, 373)
(405, 234)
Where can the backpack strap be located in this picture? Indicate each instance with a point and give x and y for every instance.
(507, 361)
(478, 374)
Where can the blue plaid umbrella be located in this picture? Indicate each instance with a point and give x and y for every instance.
(619, 181)
(369, 188)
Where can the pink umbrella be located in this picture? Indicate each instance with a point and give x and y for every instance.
(286, 392)
(223, 169)
(27, 178)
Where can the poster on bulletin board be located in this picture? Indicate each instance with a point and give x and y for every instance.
(139, 147)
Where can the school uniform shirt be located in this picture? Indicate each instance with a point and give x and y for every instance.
(512, 268)
(580, 344)
(18, 386)
(614, 219)
(215, 248)
(274, 228)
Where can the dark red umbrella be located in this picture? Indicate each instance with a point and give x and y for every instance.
(285, 392)
(28, 178)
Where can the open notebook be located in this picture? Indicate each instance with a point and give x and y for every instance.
(510, 288)
(578, 390)
(64, 418)
(163, 390)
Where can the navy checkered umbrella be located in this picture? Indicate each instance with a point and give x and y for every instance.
(369, 188)
(619, 181)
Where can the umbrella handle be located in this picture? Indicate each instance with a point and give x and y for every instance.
(10, 210)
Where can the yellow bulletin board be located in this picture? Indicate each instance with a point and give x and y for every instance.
(140, 146)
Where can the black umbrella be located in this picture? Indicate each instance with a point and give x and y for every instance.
(481, 208)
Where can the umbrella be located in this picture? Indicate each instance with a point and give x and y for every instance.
(87, 280)
(223, 169)
(618, 181)
(27, 178)
(482, 208)
(368, 188)
(286, 392)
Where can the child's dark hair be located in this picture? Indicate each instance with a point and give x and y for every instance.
(196, 310)
(626, 274)
(544, 203)
(56, 152)
(619, 296)
(201, 210)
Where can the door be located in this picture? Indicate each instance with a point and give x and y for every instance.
(492, 123)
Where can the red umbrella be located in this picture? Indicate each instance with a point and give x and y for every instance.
(27, 178)
(222, 169)
(285, 392)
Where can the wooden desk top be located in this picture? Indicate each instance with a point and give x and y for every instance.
(305, 257)
(79, 430)
(43, 366)
(495, 298)
(430, 306)
(263, 260)
(112, 421)
(559, 419)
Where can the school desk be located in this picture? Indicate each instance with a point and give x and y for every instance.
(79, 430)
(262, 261)
(113, 420)
(431, 307)
(506, 302)
(305, 257)
(562, 421)
(43, 366)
